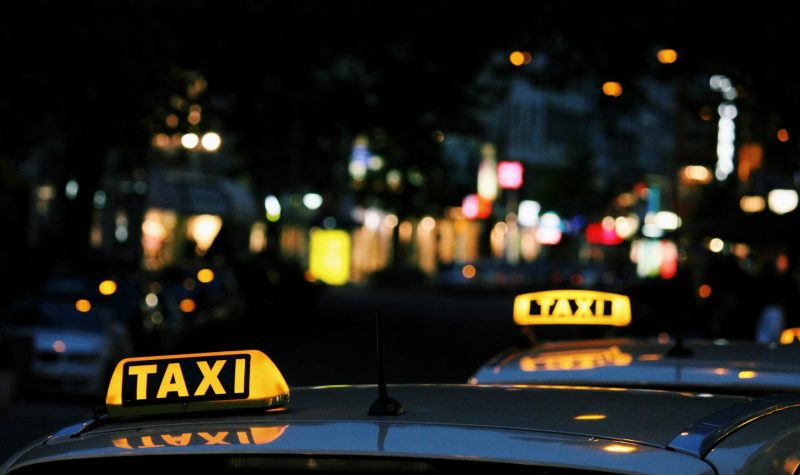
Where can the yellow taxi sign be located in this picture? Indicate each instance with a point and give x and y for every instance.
(195, 382)
(572, 307)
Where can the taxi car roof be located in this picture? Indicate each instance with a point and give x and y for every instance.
(739, 367)
(541, 408)
(514, 424)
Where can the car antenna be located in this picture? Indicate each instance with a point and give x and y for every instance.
(384, 405)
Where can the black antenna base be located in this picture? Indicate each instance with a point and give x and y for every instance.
(386, 407)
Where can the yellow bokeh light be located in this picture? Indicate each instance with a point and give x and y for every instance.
(205, 275)
(83, 305)
(188, 306)
(517, 58)
(667, 56)
(747, 374)
(612, 88)
(107, 287)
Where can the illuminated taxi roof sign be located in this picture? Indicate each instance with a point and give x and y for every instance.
(572, 307)
(195, 382)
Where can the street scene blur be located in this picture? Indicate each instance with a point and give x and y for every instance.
(197, 176)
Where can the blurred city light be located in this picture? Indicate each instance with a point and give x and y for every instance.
(99, 199)
(203, 229)
(726, 128)
(651, 228)
(172, 121)
(211, 141)
(187, 305)
(83, 305)
(329, 256)
(716, 245)
(427, 224)
(312, 201)
(626, 226)
(517, 58)
(190, 140)
(747, 374)
(469, 271)
(667, 56)
(372, 219)
(205, 275)
(375, 162)
(704, 291)
(474, 207)
(390, 221)
(549, 230)
(487, 173)
(751, 157)
(405, 232)
(752, 204)
(438, 136)
(528, 214)
(258, 237)
(59, 346)
(273, 208)
(667, 220)
(782, 201)
(107, 287)
(612, 89)
(509, 175)
(71, 189)
(598, 233)
(655, 258)
(783, 135)
(696, 174)
(394, 179)
(151, 299)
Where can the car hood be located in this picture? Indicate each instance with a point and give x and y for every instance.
(714, 365)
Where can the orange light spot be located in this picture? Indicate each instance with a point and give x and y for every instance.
(783, 135)
(59, 346)
(188, 305)
(205, 275)
(83, 305)
(704, 291)
(517, 58)
(667, 56)
(469, 271)
(613, 89)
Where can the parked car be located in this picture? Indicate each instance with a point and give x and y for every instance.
(63, 346)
